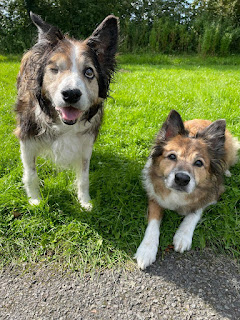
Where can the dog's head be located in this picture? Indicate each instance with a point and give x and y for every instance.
(186, 162)
(73, 76)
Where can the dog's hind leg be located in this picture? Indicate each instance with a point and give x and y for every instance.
(82, 173)
(30, 177)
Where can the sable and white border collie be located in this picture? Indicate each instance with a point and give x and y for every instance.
(184, 173)
(62, 84)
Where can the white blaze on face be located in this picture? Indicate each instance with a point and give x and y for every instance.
(66, 71)
(74, 79)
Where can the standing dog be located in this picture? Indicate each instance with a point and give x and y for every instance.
(184, 173)
(62, 84)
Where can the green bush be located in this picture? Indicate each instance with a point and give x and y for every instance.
(225, 43)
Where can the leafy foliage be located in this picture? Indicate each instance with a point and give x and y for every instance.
(166, 26)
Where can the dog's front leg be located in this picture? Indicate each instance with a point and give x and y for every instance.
(147, 251)
(82, 172)
(30, 177)
(183, 237)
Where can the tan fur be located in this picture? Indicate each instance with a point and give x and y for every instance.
(231, 143)
(154, 211)
(184, 173)
(209, 187)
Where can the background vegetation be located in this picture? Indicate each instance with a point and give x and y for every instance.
(146, 88)
(163, 26)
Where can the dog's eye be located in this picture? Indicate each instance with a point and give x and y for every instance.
(54, 70)
(172, 156)
(198, 163)
(89, 73)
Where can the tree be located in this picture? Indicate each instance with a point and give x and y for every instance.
(175, 24)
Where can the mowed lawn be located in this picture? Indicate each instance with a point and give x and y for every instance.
(145, 89)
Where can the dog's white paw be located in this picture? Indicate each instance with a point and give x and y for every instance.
(182, 241)
(147, 251)
(146, 254)
(86, 205)
(34, 201)
(228, 173)
(84, 200)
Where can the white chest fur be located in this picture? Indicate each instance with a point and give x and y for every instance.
(65, 144)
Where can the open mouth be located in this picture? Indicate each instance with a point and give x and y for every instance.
(69, 115)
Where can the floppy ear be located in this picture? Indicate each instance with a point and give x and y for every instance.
(170, 128)
(46, 32)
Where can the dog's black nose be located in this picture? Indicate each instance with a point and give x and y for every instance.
(182, 179)
(71, 96)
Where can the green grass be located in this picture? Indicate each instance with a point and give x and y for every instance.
(146, 88)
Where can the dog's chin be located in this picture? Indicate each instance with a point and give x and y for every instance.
(69, 122)
(180, 189)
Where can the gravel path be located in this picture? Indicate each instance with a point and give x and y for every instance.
(196, 285)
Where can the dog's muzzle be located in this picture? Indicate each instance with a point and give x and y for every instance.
(182, 179)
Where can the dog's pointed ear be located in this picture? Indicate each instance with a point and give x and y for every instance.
(46, 32)
(214, 134)
(172, 126)
(104, 40)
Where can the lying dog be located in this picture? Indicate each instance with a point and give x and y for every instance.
(62, 84)
(184, 173)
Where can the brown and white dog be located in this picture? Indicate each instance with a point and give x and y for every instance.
(62, 84)
(184, 173)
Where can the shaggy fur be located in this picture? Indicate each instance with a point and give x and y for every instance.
(61, 85)
(184, 173)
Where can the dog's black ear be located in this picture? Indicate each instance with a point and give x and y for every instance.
(104, 39)
(170, 128)
(46, 32)
(103, 43)
(214, 136)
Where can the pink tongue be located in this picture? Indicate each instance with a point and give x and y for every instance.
(70, 113)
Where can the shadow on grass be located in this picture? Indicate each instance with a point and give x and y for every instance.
(120, 205)
(119, 201)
